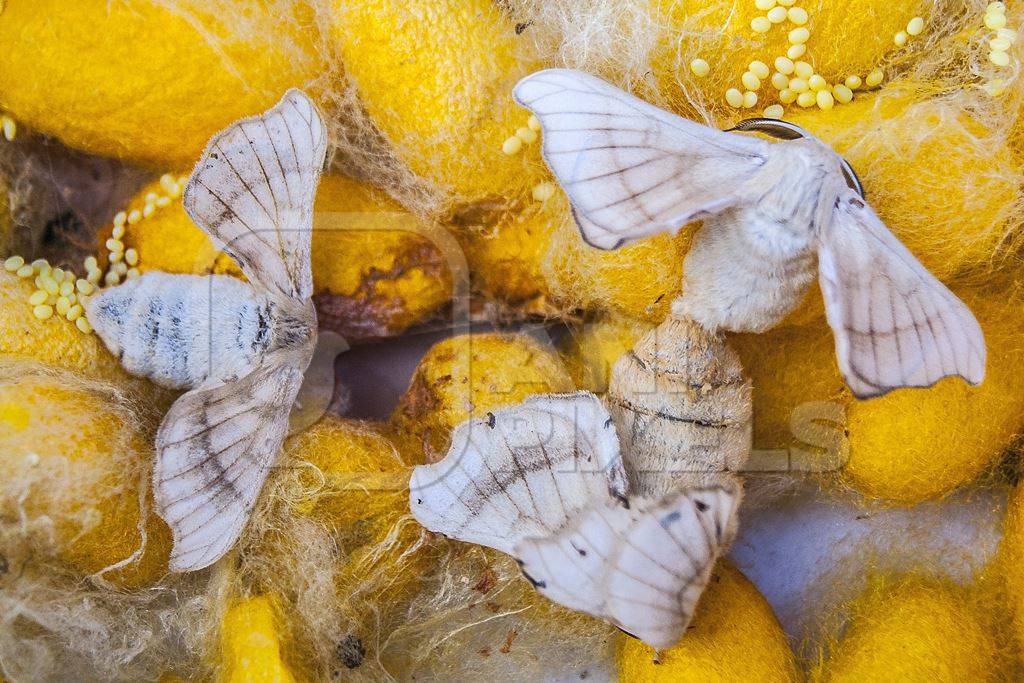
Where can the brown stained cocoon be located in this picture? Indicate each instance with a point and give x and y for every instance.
(682, 407)
(377, 308)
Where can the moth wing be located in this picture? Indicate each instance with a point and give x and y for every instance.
(252, 192)
(629, 168)
(642, 567)
(894, 323)
(521, 471)
(214, 450)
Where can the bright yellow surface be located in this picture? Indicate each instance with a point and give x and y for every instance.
(734, 636)
(138, 81)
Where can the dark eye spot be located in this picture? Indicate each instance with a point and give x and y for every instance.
(857, 203)
(701, 505)
(491, 420)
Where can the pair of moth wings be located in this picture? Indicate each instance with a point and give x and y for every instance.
(252, 192)
(632, 170)
(543, 481)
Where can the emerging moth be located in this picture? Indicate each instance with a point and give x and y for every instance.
(769, 211)
(544, 482)
(239, 349)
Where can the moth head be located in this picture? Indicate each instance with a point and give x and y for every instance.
(784, 130)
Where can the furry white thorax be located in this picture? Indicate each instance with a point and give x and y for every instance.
(181, 330)
(750, 265)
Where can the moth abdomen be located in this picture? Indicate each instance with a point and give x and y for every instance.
(682, 407)
(180, 330)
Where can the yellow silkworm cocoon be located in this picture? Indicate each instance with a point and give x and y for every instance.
(750, 81)
(760, 24)
(63, 305)
(853, 82)
(75, 312)
(787, 96)
(84, 325)
(112, 278)
(466, 376)
(764, 5)
(131, 257)
(842, 93)
(912, 445)
(97, 448)
(134, 216)
(995, 20)
(700, 68)
(38, 297)
(900, 39)
(446, 112)
(998, 7)
(43, 311)
(749, 99)
(84, 287)
(734, 97)
(13, 264)
(1007, 33)
(131, 74)
(759, 69)
(806, 99)
(148, 210)
(66, 288)
(915, 26)
(824, 99)
(784, 65)
(799, 36)
(798, 85)
(361, 473)
(534, 123)
(526, 134)
(512, 145)
(999, 44)
(735, 636)
(250, 644)
(916, 629)
(774, 111)
(816, 83)
(849, 37)
(787, 3)
(777, 15)
(999, 58)
(874, 78)
(780, 81)
(24, 271)
(797, 15)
